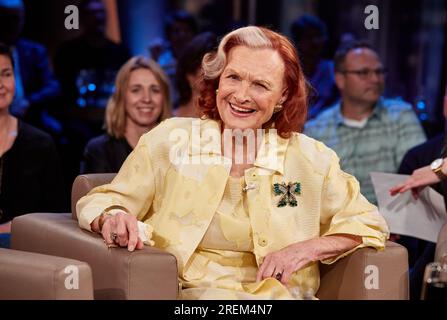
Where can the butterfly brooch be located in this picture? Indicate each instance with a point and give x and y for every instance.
(287, 193)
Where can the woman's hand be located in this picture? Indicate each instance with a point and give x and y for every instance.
(420, 178)
(118, 230)
(283, 263)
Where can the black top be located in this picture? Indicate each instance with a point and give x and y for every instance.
(422, 155)
(31, 179)
(105, 154)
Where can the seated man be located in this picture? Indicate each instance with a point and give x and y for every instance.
(368, 132)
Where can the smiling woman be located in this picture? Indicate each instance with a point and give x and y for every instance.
(139, 103)
(239, 230)
(30, 175)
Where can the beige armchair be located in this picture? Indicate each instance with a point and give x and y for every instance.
(33, 276)
(152, 273)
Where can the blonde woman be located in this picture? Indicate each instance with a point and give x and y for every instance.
(140, 102)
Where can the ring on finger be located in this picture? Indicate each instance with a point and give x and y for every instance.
(278, 276)
(113, 236)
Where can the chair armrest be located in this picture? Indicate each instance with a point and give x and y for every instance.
(34, 276)
(441, 244)
(84, 183)
(351, 278)
(117, 273)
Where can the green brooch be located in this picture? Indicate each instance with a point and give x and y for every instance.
(287, 193)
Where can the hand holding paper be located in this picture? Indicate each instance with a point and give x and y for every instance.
(420, 178)
(421, 218)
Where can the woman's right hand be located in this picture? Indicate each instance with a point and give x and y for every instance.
(118, 230)
(419, 179)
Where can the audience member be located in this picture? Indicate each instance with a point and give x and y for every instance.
(421, 252)
(180, 28)
(36, 86)
(189, 73)
(140, 102)
(368, 132)
(310, 36)
(86, 66)
(30, 175)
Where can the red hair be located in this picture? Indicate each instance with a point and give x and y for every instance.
(292, 116)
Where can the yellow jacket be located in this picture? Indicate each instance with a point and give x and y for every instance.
(179, 198)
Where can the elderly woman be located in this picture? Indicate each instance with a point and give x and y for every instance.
(244, 220)
(140, 102)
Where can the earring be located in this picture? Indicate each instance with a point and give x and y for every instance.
(277, 108)
(217, 91)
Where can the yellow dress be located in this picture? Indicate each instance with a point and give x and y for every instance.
(224, 265)
(178, 201)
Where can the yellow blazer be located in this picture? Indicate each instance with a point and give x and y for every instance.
(175, 178)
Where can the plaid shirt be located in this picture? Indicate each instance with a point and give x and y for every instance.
(380, 145)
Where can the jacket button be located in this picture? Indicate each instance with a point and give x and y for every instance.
(262, 241)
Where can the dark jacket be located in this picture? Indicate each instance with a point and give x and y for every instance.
(31, 179)
(38, 80)
(105, 154)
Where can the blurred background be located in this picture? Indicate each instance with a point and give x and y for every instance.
(411, 38)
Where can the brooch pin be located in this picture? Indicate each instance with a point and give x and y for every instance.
(287, 193)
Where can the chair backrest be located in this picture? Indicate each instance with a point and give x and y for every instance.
(84, 183)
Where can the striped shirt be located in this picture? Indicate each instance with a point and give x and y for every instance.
(379, 145)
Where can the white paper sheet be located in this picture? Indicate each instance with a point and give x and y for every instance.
(422, 218)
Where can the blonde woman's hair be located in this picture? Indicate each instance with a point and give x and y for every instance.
(115, 118)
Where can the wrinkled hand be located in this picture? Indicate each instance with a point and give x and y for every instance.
(287, 260)
(121, 230)
(420, 178)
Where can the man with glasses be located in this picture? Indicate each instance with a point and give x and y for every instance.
(368, 132)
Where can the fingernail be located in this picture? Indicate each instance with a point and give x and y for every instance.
(130, 248)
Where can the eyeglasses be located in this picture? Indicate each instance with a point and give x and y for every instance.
(366, 73)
